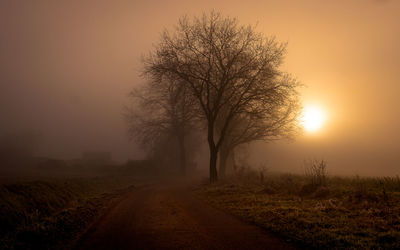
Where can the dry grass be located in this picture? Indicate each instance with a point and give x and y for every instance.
(50, 214)
(351, 213)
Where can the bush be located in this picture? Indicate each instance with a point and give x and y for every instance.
(315, 171)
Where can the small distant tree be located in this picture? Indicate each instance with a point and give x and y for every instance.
(230, 69)
(161, 111)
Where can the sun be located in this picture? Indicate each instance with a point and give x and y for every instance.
(313, 118)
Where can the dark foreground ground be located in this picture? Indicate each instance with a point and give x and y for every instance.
(169, 217)
(127, 210)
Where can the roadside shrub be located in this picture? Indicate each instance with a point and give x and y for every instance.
(315, 171)
(391, 184)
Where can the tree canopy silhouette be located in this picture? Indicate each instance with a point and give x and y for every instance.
(233, 73)
(162, 112)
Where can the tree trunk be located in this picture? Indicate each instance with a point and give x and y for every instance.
(182, 154)
(224, 154)
(213, 153)
(232, 155)
(213, 165)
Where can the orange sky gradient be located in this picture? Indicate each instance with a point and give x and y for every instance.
(67, 67)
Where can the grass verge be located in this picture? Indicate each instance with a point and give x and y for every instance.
(351, 213)
(51, 214)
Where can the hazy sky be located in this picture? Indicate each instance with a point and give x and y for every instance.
(66, 68)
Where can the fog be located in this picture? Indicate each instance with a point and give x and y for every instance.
(66, 69)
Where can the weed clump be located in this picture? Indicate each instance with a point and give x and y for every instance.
(315, 172)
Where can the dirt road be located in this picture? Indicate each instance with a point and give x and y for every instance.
(168, 217)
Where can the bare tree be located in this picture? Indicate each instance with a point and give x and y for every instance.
(229, 68)
(160, 111)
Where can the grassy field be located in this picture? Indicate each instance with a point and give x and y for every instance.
(313, 210)
(51, 213)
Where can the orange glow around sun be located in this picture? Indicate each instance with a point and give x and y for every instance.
(313, 118)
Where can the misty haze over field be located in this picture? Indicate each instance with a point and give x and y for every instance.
(66, 69)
